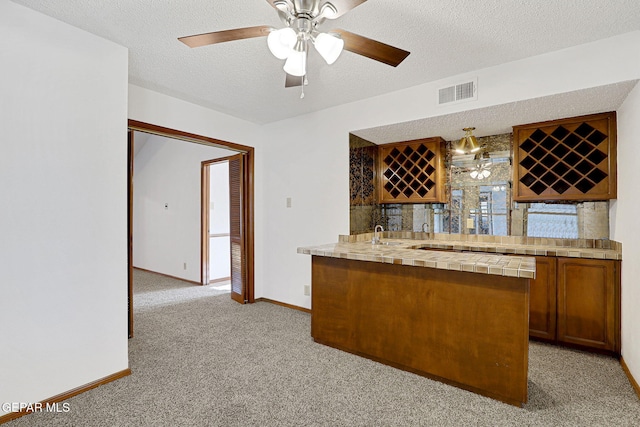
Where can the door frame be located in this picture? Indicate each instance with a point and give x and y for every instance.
(248, 193)
(130, 154)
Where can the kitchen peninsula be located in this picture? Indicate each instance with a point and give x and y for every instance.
(461, 318)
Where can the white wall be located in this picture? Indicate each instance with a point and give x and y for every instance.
(625, 226)
(219, 221)
(63, 280)
(167, 172)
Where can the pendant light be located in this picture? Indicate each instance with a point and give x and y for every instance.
(468, 143)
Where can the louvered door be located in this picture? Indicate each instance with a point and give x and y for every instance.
(236, 204)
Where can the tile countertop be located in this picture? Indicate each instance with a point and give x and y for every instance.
(405, 252)
(495, 255)
(520, 249)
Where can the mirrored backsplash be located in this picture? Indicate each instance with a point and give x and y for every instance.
(480, 200)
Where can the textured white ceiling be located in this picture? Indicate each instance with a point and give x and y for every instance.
(242, 78)
(501, 118)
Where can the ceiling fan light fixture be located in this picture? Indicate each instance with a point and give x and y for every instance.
(480, 173)
(301, 19)
(281, 42)
(329, 46)
(482, 169)
(296, 64)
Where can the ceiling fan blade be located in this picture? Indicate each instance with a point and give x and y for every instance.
(343, 6)
(226, 36)
(293, 81)
(372, 49)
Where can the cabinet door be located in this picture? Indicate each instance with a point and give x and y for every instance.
(411, 171)
(567, 159)
(542, 300)
(588, 312)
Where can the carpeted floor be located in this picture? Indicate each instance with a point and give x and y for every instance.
(151, 291)
(199, 359)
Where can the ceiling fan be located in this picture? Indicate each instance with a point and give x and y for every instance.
(302, 19)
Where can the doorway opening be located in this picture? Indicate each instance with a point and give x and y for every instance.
(216, 227)
(241, 219)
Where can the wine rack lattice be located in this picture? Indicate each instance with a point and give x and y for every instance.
(410, 171)
(567, 160)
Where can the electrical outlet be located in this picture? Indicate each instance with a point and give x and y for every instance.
(288, 202)
(307, 290)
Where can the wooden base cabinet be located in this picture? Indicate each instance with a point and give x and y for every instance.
(589, 303)
(465, 329)
(542, 309)
(576, 301)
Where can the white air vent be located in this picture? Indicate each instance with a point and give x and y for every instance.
(460, 92)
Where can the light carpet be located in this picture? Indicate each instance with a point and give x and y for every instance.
(200, 359)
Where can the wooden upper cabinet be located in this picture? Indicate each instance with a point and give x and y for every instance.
(411, 171)
(568, 159)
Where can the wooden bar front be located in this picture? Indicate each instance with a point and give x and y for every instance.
(470, 330)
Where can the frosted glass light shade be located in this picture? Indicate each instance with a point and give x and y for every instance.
(296, 64)
(480, 173)
(281, 42)
(329, 46)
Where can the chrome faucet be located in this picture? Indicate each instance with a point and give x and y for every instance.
(376, 237)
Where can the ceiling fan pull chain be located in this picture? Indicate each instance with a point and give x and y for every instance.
(302, 86)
